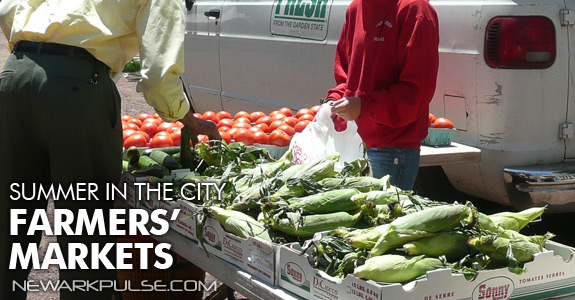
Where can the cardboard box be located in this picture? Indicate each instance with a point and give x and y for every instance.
(252, 255)
(551, 274)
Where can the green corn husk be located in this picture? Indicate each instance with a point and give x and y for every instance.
(365, 238)
(239, 223)
(422, 224)
(306, 226)
(327, 202)
(362, 184)
(380, 197)
(452, 244)
(517, 220)
(496, 247)
(317, 169)
(396, 268)
(486, 223)
(536, 239)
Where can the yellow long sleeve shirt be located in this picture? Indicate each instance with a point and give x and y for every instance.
(113, 31)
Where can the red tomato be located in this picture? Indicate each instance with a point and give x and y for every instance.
(224, 129)
(156, 116)
(240, 114)
(278, 116)
(301, 125)
(222, 114)
(267, 120)
(143, 116)
(241, 125)
(199, 116)
(174, 128)
(165, 126)
(226, 136)
(149, 128)
(130, 126)
(126, 118)
(256, 115)
(162, 133)
(264, 127)
(314, 109)
(308, 117)
(261, 138)
(128, 132)
(245, 136)
(232, 132)
(432, 119)
(243, 120)
(255, 129)
(136, 139)
(286, 111)
(442, 123)
(302, 112)
(153, 120)
(226, 122)
(202, 138)
(211, 116)
(279, 138)
(176, 137)
(147, 136)
(287, 129)
(276, 124)
(161, 141)
(291, 121)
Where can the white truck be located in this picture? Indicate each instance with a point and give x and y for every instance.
(506, 80)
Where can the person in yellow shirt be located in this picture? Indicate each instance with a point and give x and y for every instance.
(60, 109)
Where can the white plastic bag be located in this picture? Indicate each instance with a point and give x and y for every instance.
(320, 138)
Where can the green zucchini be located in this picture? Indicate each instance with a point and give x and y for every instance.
(165, 159)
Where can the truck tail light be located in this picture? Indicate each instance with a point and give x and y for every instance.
(520, 42)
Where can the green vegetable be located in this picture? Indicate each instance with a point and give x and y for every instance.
(165, 159)
(396, 268)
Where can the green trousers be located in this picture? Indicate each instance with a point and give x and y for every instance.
(59, 125)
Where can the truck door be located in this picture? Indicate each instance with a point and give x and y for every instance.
(568, 28)
(202, 61)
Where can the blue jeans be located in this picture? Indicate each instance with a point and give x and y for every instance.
(401, 164)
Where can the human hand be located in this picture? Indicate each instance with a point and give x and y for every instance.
(198, 126)
(348, 108)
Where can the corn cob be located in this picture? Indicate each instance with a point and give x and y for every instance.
(421, 224)
(380, 197)
(536, 239)
(239, 223)
(365, 238)
(318, 169)
(327, 202)
(396, 268)
(362, 184)
(496, 247)
(306, 226)
(517, 220)
(452, 244)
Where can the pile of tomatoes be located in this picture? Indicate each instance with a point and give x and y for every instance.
(439, 122)
(275, 128)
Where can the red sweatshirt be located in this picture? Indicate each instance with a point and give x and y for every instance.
(387, 55)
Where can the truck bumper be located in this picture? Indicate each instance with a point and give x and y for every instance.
(542, 185)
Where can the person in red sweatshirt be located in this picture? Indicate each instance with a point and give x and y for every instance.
(385, 68)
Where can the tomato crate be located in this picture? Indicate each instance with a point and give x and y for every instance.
(439, 137)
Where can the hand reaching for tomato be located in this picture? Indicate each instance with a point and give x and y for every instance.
(198, 126)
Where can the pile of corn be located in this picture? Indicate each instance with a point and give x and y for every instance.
(378, 231)
(452, 236)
